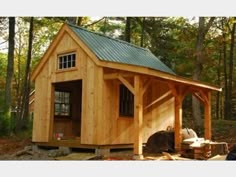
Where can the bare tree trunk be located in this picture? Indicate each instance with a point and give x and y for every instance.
(218, 83)
(79, 21)
(24, 113)
(225, 72)
(142, 35)
(10, 71)
(202, 31)
(128, 29)
(231, 67)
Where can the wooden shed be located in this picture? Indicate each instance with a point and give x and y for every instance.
(93, 90)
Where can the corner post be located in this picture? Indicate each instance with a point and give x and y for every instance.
(138, 118)
(178, 123)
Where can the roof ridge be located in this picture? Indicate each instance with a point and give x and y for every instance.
(118, 40)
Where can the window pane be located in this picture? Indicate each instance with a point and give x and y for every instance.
(62, 103)
(126, 102)
(66, 61)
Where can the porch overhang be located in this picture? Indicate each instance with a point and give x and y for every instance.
(179, 88)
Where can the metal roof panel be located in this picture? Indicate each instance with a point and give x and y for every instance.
(115, 50)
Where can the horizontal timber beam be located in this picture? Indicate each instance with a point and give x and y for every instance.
(116, 75)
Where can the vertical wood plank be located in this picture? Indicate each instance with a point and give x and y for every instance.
(98, 105)
(51, 113)
(89, 126)
(138, 117)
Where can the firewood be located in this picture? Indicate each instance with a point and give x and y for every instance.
(169, 157)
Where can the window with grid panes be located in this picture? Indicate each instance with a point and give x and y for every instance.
(126, 105)
(62, 105)
(66, 61)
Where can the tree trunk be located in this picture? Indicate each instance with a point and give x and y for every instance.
(24, 113)
(10, 71)
(197, 73)
(128, 29)
(225, 72)
(142, 35)
(231, 67)
(218, 116)
(79, 21)
(202, 31)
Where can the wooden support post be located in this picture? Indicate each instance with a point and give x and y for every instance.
(179, 94)
(207, 116)
(138, 118)
(178, 123)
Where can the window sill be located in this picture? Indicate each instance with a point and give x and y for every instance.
(66, 70)
(62, 118)
(126, 118)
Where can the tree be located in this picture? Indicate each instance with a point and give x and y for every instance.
(203, 28)
(231, 68)
(142, 34)
(128, 29)
(10, 71)
(24, 109)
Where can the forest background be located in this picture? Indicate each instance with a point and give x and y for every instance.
(200, 48)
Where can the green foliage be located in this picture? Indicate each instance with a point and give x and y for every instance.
(109, 26)
(173, 39)
(6, 123)
(3, 67)
(45, 29)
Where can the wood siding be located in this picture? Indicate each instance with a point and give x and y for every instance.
(44, 90)
(100, 121)
(120, 130)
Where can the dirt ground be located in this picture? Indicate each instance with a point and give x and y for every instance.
(13, 148)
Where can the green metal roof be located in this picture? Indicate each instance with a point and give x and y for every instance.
(114, 50)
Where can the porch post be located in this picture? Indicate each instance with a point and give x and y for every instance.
(179, 94)
(207, 116)
(138, 118)
(178, 123)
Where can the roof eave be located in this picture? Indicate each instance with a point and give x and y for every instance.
(160, 74)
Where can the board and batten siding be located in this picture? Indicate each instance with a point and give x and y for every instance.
(120, 130)
(44, 89)
(92, 100)
(100, 121)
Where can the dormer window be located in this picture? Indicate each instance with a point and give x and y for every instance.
(66, 61)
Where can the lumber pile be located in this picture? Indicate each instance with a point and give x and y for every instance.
(202, 149)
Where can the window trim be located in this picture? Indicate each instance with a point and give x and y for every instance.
(66, 61)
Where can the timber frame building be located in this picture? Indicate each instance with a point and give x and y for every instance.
(99, 92)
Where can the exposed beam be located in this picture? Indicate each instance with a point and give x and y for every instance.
(173, 89)
(159, 75)
(126, 83)
(146, 85)
(111, 76)
(158, 99)
(198, 97)
(204, 96)
(116, 75)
